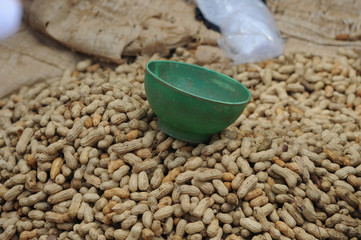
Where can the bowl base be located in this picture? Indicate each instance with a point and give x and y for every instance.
(181, 135)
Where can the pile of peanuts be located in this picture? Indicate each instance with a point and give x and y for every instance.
(81, 157)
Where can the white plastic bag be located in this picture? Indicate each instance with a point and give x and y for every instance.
(249, 32)
(10, 17)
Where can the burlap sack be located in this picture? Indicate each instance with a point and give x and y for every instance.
(113, 28)
(25, 59)
(324, 22)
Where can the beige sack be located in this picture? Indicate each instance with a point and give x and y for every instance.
(113, 28)
(324, 22)
(25, 59)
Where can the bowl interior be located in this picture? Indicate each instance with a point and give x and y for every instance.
(199, 82)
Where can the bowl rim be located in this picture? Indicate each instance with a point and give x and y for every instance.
(203, 69)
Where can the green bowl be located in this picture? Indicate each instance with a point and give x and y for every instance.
(192, 102)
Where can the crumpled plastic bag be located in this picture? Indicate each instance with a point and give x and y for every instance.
(248, 29)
